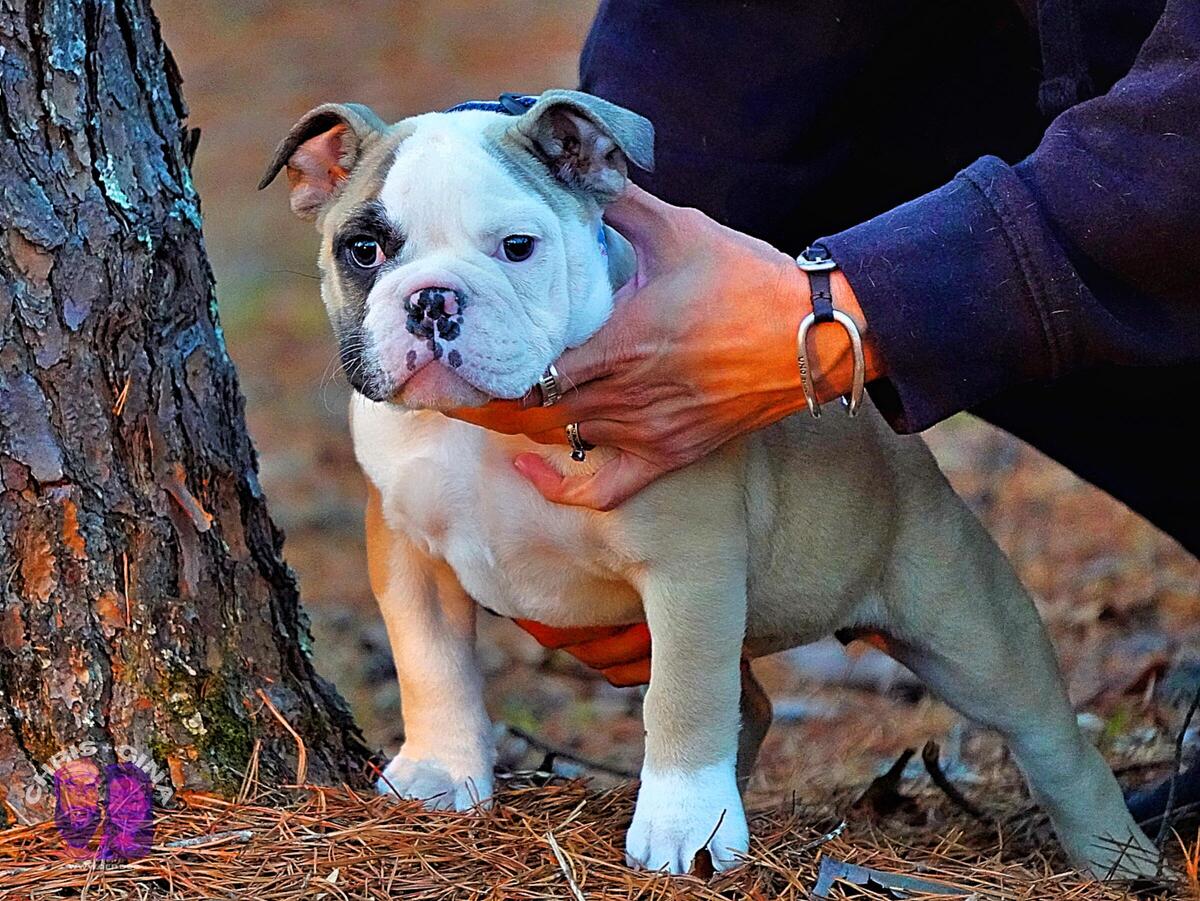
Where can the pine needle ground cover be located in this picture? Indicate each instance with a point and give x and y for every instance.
(556, 840)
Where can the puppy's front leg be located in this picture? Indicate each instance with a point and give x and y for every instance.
(448, 752)
(689, 798)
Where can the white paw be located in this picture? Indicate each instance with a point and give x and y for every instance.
(437, 784)
(678, 813)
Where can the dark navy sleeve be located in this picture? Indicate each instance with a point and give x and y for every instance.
(1086, 253)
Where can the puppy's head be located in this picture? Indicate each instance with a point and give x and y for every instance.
(462, 252)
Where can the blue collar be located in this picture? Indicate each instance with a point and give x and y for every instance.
(509, 103)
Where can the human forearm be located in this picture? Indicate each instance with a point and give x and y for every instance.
(1083, 254)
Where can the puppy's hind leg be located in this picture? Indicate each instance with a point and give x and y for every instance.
(757, 714)
(962, 622)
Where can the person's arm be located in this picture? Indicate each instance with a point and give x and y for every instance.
(1085, 253)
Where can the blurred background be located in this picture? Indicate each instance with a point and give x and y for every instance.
(1123, 601)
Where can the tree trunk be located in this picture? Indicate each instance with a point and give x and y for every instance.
(143, 599)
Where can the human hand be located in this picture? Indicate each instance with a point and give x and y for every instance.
(701, 348)
(620, 653)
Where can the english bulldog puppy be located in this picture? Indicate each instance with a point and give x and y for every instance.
(462, 252)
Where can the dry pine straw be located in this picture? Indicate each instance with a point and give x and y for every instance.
(561, 840)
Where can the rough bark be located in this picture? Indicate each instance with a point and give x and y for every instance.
(143, 597)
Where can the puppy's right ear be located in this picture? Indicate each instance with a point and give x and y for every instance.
(320, 152)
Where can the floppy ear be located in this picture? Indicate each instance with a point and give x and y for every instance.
(587, 142)
(320, 152)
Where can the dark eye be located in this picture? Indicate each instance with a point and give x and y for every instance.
(518, 248)
(364, 252)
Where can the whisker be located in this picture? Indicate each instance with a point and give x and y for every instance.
(315, 278)
(332, 367)
(571, 384)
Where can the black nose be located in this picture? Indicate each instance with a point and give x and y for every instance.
(435, 309)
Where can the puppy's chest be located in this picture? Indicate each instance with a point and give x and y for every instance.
(454, 493)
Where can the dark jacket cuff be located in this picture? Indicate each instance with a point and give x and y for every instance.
(961, 289)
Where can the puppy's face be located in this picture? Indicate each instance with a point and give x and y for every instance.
(461, 252)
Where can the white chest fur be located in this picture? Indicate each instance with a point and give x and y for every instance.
(451, 489)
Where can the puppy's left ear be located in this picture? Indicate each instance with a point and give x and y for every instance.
(321, 151)
(587, 142)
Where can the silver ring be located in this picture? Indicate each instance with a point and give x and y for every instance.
(579, 447)
(551, 390)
